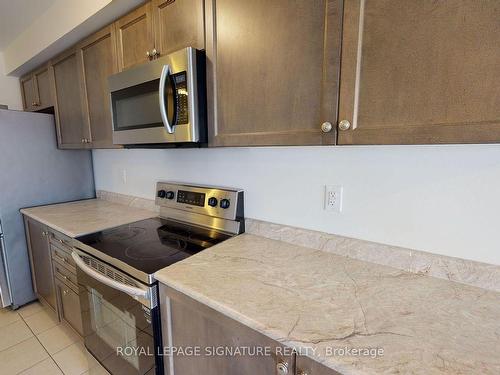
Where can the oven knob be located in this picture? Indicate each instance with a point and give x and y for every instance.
(212, 202)
(170, 195)
(161, 193)
(224, 203)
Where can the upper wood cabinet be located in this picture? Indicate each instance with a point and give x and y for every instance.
(71, 116)
(178, 24)
(420, 72)
(28, 92)
(272, 71)
(35, 90)
(98, 61)
(134, 34)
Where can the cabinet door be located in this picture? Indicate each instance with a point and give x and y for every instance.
(420, 72)
(69, 306)
(134, 34)
(98, 54)
(194, 325)
(41, 264)
(28, 92)
(306, 366)
(178, 24)
(272, 71)
(42, 89)
(71, 120)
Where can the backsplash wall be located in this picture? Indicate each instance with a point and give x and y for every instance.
(441, 199)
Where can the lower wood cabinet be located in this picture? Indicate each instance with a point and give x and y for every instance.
(187, 324)
(54, 272)
(306, 366)
(37, 236)
(69, 306)
(192, 325)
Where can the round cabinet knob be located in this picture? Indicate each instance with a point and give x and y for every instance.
(148, 54)
(326, 127)
(224, 203)
(155, 52)
(282, 368)
(212, 202)
(162, 193)
(344, 125)
(170, 195)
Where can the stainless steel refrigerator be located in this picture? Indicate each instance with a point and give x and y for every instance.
(33, 172)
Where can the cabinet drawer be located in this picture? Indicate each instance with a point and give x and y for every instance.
(65, 275)
(60, 240)
(63, 256)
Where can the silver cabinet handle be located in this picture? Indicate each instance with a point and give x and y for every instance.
(344, 125)
(163, 109)
(282, 368)
(155, 53)
(148, 54)
(326, 127)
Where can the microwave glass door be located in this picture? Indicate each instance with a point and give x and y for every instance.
(117, 328)
(138, 107)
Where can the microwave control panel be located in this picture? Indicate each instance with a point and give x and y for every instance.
(181, 93)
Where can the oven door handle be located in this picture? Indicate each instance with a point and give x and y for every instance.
(130, 290)
(165, 72)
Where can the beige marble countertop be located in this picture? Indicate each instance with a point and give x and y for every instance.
(321, 303)
(87, 216)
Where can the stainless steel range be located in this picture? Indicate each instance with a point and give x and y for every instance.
(115, 269)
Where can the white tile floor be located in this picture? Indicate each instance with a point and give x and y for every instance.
(32, 341)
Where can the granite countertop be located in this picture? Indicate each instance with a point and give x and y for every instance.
(317, 301)
(87, 216)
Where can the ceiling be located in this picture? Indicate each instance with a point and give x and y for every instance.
(17, 15)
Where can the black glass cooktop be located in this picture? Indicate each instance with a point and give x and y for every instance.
(152, 244)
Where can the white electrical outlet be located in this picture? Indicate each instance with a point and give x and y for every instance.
(333, 198)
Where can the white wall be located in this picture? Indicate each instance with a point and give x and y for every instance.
(61, 25)
(10, 91)
(442, 199)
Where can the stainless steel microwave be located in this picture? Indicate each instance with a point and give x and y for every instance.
(161, 102)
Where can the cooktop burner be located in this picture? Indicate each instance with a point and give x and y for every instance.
(152, 244)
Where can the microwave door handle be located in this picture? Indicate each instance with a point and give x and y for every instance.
(165, 72)
(130, 290)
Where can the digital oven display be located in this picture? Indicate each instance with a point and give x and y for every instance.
(190, 197)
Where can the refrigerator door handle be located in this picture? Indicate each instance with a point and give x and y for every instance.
(5, 291)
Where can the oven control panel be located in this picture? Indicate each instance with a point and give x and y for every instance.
(226, 203)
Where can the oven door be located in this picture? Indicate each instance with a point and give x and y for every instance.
(157, 102)
(121, 321)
